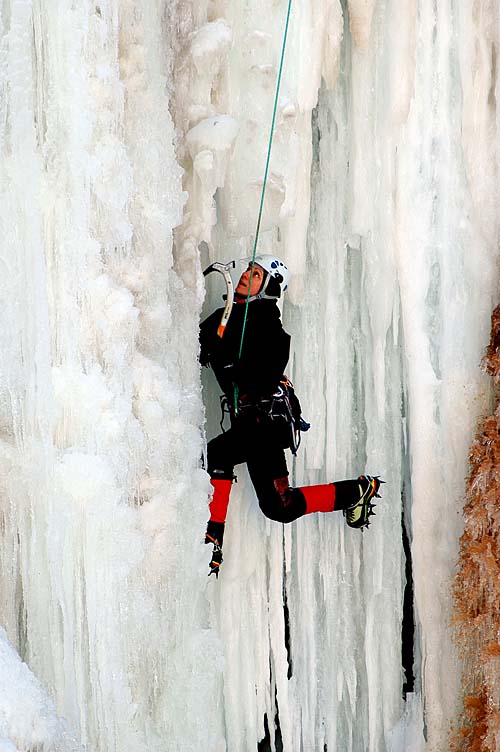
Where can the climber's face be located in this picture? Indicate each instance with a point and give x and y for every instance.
(257, 276)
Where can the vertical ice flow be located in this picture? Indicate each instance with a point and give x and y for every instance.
(102, 579)
(120, 123)
(394, 267)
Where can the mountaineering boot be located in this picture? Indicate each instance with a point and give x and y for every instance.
(216, 559)
(357, 515)
(215, 535)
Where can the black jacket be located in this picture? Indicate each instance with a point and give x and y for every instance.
(266, 348)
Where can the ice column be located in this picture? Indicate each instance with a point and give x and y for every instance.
(377, 204)
(381, 197)
(102, 498)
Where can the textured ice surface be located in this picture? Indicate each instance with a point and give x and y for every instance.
(28, 718)
(388, 323)
(103, 501)
(122, 122)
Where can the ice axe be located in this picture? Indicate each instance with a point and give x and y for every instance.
(223, 269)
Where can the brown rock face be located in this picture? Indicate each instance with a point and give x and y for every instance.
(477, 584)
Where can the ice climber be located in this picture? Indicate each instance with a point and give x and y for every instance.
(264, 412)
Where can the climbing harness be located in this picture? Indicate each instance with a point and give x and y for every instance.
(217, 266)
(282, 408)
(286, 414)
(266, 171)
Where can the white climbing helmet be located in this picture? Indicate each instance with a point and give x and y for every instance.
(277, 270)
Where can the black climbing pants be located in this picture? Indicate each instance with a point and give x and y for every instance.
(255, 439)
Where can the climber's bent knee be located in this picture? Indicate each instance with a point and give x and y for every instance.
(279, 501)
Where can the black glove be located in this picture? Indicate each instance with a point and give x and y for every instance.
(215, 535)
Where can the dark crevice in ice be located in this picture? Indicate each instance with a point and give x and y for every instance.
(265, 744)
(408, 628)
(286, 615)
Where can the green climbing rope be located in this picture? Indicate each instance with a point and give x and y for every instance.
(263, 193)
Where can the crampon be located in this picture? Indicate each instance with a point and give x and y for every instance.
(216, 559)
(358, 516)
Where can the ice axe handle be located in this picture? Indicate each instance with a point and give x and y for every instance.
(224, 270)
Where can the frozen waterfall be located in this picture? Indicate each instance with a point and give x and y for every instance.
(132, 140)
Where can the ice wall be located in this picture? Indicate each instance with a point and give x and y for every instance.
(394, 248)
(123, 124)
(27, 715)
(102, 496)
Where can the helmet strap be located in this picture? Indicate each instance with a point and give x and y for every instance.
(263, 289)
(262, 295)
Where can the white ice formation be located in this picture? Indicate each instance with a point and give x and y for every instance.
(130, 133)
(28, 719)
